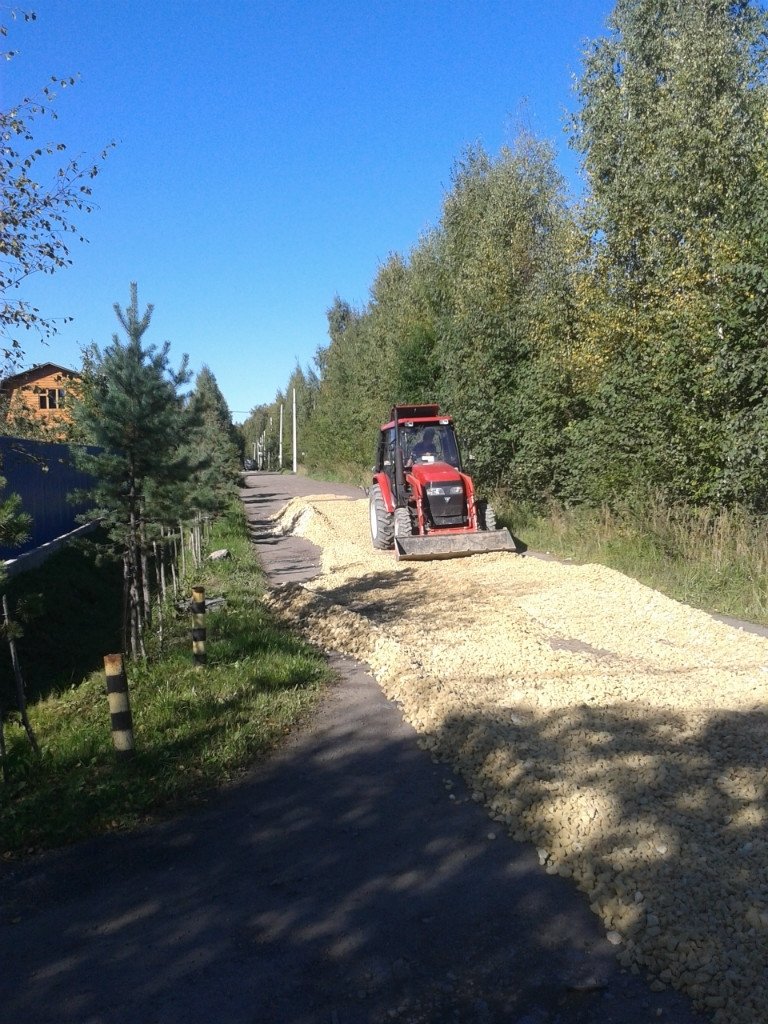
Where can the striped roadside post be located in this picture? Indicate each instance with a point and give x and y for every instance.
(119, 705)
(197, 604)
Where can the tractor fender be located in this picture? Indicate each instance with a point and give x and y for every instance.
(417, 497)
(381, 480)
(469, 491)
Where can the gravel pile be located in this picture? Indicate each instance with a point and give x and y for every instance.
(623, 733)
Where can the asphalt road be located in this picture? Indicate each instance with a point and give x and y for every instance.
(338, 884)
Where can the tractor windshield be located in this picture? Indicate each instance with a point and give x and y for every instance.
(428, 442)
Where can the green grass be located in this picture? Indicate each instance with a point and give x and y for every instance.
(195, 729)
(717, 561)
(344, 473)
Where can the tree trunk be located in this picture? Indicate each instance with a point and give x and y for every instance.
(157, 550)
(21, 697)
(3, 755)
(126, 603)
(183, 553)
(146, 595)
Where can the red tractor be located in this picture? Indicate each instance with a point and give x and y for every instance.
(421, 501)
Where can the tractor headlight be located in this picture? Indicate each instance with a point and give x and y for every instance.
(444, 490)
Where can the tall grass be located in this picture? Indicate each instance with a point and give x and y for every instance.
(716, 560)
(342, 473)
(194, 729)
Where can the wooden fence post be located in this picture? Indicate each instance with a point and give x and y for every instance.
(119, 705)
(197, 605)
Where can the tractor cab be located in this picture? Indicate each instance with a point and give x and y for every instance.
(415, 447)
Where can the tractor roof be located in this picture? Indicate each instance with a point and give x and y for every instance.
(415, 414)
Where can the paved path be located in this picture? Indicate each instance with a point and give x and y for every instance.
(337, 884)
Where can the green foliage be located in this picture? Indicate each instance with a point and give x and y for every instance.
(210, 447)
(351, 394)
(132, 410)
(672, 130)
(503, 330)
(14, 522)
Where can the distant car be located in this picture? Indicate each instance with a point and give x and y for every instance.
(248, 465)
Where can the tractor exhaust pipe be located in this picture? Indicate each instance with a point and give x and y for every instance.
(399, 475)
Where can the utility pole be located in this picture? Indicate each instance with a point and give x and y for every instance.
(294, 430)
(280, 446)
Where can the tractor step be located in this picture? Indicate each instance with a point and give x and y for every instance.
(455, 545)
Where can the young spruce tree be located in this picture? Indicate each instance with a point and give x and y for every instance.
(210, 446)
(133, 412)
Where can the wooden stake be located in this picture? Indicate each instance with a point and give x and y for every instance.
(197, 606)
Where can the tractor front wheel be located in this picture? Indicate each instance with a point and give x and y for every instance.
(382, 524)
(403, 523)
(486, 517)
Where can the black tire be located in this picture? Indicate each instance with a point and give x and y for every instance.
(403, 523)
(486, 517)
(382, 522)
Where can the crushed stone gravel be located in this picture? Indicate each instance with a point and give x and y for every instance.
(623, 733)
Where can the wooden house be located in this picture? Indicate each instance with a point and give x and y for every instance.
(38, 398)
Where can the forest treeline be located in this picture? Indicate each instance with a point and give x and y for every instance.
(593, 348)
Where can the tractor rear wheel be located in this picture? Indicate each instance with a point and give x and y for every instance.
(403, 523)
(486, 517)
(382, 522)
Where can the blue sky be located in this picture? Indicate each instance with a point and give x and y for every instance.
(271, 155)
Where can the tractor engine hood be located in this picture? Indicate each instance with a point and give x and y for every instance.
(435, 473)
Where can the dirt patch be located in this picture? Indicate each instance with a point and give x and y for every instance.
(622, 732)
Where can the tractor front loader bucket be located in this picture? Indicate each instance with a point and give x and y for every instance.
(453, 545)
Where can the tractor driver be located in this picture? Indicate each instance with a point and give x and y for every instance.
(426, 446)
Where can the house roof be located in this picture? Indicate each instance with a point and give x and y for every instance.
(18, 380)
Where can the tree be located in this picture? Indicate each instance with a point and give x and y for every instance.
(36, 228)
(503, 331)
(672, 131)
(210, 446)
(14, 521)
(348, 399)
(133, 411)
(402, 330)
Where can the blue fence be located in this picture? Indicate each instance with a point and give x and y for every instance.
(43, 476)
